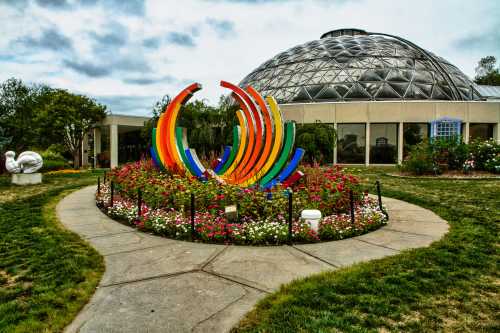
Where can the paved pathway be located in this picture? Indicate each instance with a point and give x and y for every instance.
(154, 284)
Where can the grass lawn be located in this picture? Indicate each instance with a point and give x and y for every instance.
(451, 286)
(46, 272)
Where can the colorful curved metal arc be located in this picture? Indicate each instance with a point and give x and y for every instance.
(293, 178)
(251, 169)
(154, 151)
(165, 136)
(225, 156)
(236, 145)
(254, 149)
(245, 103)
(287, 171)
(241, 148)
(199, 165)
(182, 145)
(292, 165)
(197, 171)
(285, 153)
(154, 158)
(262, 143)
(277, 143)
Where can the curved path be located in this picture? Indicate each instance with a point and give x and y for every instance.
(155, 284)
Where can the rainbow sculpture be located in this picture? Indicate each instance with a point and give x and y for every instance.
(261, 153)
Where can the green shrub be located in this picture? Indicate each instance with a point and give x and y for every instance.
(450, 151)
(486, 154)
(51, 165)
(439, 155)
(53, 159)
(420, 160)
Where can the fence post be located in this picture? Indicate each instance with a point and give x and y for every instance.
(193, 232)
(104, 177)
(290, 212)
(112, 185)
(351, 198)
(99, 185)
(139, 203)
(379, 194)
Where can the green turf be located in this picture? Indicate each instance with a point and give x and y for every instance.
(47, 273)
(451, 286)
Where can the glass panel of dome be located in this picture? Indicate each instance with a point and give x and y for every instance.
(383, 143)
(437, 93)
(357, 92)
(425, 88)
(423, 77)
(328, 93)
(314, 90)
(399, 87)
(414, 133)
(370, 75)
(387, 92)
(342, 89)
(397, 75)
(302, 95)
(371, 87)
(351, 143)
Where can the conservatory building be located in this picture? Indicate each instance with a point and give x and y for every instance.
(382, 93)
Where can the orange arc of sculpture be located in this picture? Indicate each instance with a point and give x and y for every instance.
(231, 175)
(165, 133)
(268, 136)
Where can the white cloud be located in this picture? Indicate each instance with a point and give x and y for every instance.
(253, 33)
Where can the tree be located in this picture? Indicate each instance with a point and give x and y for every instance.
(486, 73)
(19, 105)
(159, 107)
(318, 140)
(68, 117)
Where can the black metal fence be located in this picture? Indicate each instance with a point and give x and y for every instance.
(192, 207)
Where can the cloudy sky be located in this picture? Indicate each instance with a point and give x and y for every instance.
(129, 53)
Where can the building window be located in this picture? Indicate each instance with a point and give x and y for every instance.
(351, 143)
(414, 133)
(480, 131)
(383, 143)
(446, 128)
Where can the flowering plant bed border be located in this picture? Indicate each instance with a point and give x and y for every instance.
(213, 227)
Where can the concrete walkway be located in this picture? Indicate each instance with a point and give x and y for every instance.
(155, 284)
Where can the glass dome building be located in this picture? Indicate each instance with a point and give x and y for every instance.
(382, 94)
(352, 64)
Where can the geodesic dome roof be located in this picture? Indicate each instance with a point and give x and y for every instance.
(352, 64)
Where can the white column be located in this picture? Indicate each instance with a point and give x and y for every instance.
(85, 150)
(113, 151)
(335, 147)
(367, 144)
(466, 132)
(400, 142)
(97, 144)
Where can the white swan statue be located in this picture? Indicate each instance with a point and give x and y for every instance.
(27, 162)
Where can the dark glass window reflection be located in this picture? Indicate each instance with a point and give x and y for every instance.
(383, 143)
(480, 131)
(414, 133)
(351, 143)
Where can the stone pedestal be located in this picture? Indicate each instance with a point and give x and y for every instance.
(26, 178)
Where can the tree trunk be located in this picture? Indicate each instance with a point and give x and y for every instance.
(76, 159)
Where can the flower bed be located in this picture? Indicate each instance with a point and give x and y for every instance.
(263, 218)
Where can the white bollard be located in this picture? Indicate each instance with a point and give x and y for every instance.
(312, 217)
